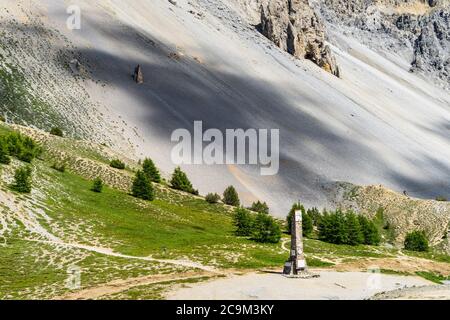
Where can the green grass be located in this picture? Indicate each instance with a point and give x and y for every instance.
(174, 226)
(328, 249)
(394, 272)
(169, 227)
(39, 270)
(19, 103)
(317, 263)
(433, 277)
(430, 255)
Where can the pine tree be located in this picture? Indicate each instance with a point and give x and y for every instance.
(231, 197)
(315, 215)
(97, 185)
(22, 180)
(243, 222)
(266, 229)
(369, 231)
(260, 207)
(180, 181)
(353, 229)
(307, 225)
(332, 228)
(151, 171)
(142, 187)
(4, 154)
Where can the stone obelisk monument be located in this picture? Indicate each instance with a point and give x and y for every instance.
(296, 264)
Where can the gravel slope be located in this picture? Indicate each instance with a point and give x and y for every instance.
(379, 124)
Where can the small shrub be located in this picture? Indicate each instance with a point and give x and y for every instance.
(441, 198)
(22, 180)
(97, 185)
(231, 197)
(142, 187)
(22, 147)
(212, 198)
(243, 221)
(180, 181)
(260, 207)
(151, 171)
(2, 118)
(56, 132)
(61, 167)
(265, 229)
(117, 164)
(4, 153)
(416, 241)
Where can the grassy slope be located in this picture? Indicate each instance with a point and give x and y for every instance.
(169, 228)
(175, 226)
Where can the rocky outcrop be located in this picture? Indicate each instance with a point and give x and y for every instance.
(294, 27)
(418, 30)
(138, 75)
(432, 46)
(400, 213)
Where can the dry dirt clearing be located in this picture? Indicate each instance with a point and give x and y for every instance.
(331, 285)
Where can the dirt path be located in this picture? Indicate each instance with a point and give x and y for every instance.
(118, 286)
(110, 252)
(284, 243)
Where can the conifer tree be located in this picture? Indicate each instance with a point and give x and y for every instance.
(265, 229)
(22, 180)
(231, 197)
(151, 171)
(260, 207)
(243, 221)
(142, 187)
(4, 154)
(180, 181)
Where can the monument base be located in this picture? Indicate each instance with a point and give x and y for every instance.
(302, 275)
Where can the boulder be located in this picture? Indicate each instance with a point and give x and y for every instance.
(138, 75)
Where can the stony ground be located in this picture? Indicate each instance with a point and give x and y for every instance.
(205, 60)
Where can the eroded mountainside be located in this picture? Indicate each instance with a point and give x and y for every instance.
(207, 60)
(419, 30)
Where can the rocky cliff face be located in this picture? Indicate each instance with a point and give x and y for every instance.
(294, 27)
(419, 30)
